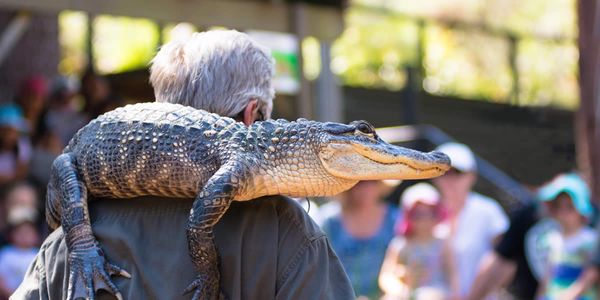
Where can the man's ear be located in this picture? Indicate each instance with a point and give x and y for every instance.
(250, 112)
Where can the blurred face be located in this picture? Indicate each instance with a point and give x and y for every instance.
(25, 236)
(9, 137)
(563, 210)
(33, 103)
(21, 196)
(455, 186)
(423, 218)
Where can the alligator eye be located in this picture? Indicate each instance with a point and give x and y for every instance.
(365, 128)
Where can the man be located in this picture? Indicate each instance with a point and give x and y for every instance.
(269, 248)
(475, 222)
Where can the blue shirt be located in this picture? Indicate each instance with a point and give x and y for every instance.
(362, 257)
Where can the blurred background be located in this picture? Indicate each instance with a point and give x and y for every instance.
(514, 80)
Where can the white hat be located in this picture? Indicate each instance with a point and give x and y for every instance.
(420, 192)
(461, 156)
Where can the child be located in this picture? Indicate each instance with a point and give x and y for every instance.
(419, 265)
(571, 248)
(16, 257)
(15, 147)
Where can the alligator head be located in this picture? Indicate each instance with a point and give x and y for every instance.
(321, 159)
(355, 152)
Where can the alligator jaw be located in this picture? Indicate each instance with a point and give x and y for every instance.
(359, 161)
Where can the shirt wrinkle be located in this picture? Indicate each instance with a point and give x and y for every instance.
(310, 235)
(296, 259)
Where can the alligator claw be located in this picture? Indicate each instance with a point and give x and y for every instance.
(90, 272)
(204, 289)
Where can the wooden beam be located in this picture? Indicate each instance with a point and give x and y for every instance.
(11, 34)
(324, 22)
(587, 118)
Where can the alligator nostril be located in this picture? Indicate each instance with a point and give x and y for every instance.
(440, 157)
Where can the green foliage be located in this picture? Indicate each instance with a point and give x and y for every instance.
(122, 44)
(548, 73)
(469, 64)
(383, 37)
(72, 37)
(473, 60)
(374, 49)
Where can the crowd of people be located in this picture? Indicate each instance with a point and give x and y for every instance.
(35, 126)
(440, 240)
(445, 241)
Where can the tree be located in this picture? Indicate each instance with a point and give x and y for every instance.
(587, 118)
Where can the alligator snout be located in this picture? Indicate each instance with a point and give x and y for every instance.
(439, 158)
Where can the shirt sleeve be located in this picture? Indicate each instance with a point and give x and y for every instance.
(498, 221)
(315, 273)
(512, 244)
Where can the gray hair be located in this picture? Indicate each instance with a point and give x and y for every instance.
(219, 71)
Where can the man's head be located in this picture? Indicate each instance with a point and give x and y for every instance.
(223, 72)
(458, 181)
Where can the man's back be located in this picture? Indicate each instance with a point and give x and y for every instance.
(269, 249)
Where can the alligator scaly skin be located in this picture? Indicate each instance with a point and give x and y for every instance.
(171, 150)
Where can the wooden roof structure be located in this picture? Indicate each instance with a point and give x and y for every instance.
(322, 22)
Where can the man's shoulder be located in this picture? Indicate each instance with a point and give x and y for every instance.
(286, 213)
(482, 202)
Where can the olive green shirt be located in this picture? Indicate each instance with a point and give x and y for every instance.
(269, 249)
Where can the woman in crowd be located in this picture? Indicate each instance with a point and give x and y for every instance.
(360, 233)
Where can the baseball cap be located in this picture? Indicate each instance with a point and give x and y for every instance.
(573, 185)
(421, 192)
(11, 116)
(461, 156)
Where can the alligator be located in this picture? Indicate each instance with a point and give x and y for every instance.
(175, 151)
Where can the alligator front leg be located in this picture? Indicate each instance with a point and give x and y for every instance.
(88, 269)
(208, 208)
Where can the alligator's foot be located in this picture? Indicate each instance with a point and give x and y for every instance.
(90, 272)
(206, 288)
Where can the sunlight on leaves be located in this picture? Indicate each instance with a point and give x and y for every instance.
(374, 50)
(123, 44)
(467, 63)
(548, 73)
(72, 37)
